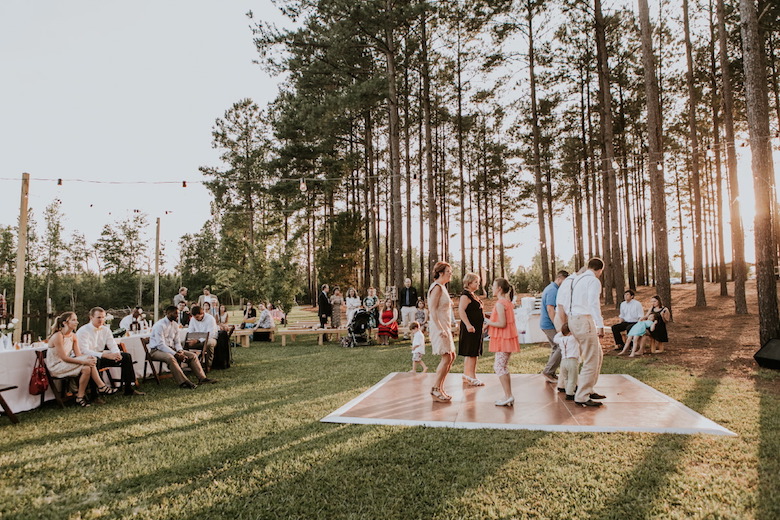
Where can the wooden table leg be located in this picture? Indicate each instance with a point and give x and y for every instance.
(284, 340)
(319, 338)
(245, 341)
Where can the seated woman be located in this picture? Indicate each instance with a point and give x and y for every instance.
(388, 323)
(250, 317)
(276, 313)
(224, 317)
(659, 334)
(64, 358)
(264, 320)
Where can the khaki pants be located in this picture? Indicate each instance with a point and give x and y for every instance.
(554, 361)
(407, 315)
(568, 377)
(584, 330)
(175, 368)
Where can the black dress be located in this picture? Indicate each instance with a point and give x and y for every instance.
(659, 334)
(470, 343)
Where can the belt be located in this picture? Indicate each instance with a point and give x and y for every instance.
(580, 315)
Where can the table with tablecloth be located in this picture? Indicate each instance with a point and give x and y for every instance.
(15, 369)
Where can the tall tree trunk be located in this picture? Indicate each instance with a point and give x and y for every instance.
(372, 203)
(655, 153)
(682, 237)
(738, 267)
(549, 195)
(763, 169)
(408, 168)
(433, 218)
(396, 228)
(462, 213)
(615, 257)
(539, 189)
(698, 227)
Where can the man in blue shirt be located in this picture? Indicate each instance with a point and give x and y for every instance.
(549, 297)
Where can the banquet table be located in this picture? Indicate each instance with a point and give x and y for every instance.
(15, 369)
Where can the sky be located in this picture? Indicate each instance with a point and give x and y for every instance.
(121, 91)
(129, 92)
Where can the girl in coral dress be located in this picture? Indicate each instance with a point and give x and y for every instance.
(503, 337)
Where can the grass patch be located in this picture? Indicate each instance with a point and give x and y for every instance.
(252, 446)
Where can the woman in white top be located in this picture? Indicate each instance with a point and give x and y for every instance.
(64, 358)
(439, 330)
(353, 302)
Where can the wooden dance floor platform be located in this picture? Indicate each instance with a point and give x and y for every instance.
(403, 398)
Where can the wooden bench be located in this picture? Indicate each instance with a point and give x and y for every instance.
(6, 408)
(320, 333)
(245, 335)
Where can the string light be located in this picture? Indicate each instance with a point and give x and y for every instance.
(183, 184)
(59, 182)
(615, 165)
(302, 186)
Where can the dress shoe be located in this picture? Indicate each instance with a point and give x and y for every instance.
(208, 380)
(134, 391)
(188, 384)
(509, 401)
(589, 402)
(597, 396)
(562, 390)
(569, 397)
(549, 378)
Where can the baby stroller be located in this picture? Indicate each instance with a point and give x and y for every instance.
(358, 331)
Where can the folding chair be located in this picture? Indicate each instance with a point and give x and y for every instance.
(150, 362)
(6, 408)
(59, 394)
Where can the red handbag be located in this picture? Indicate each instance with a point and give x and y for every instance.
(38, 381)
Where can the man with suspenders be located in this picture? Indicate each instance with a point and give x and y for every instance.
(579, 305)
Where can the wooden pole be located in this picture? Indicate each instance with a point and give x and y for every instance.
(21, 249)
(157, 274)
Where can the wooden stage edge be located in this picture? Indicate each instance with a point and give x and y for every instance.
(403, 399)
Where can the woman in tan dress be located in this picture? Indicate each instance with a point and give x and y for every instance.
(64, 358)
(439, 330)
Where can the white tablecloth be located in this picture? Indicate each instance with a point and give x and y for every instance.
(15, 369)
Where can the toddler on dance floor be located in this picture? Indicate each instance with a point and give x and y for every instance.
(570, 361)
(418, 347)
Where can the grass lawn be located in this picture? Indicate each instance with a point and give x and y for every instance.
(252, 446)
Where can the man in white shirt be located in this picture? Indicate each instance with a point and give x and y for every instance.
(202, 322)
(96, 340)
(135, 320)
(579, 305)
(631, 311)
(208, 297)
(164, 346)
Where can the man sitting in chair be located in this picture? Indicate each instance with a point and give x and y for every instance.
(202, 322)
(135, 321)
(164, 346)
(95, 337)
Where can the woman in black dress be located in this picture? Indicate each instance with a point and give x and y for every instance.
(470, 337)
(659, 335)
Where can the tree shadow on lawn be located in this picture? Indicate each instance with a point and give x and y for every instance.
(769, 447)
(639, 489)
(408, 472)
(82, 430)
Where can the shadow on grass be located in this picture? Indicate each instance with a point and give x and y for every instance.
(642, 487)
(409, 472)
(768, 500)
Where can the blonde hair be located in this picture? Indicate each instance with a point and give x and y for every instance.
(470, 277)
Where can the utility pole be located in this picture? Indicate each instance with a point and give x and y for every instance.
(157, 274)
(21, 257)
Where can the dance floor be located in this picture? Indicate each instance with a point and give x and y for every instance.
(403, 398)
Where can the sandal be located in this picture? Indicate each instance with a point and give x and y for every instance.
(107, 390)
(472, 381)
(82, 401)
(440, 396)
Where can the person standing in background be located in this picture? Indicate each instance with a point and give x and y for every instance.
(549, 298)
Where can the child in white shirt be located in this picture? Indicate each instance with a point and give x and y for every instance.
(570, 361)
(418, 347)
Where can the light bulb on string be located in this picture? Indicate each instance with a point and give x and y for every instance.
(183, 184)
(615, 165)
(59, 182)
(302, 186)
(660, 166)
